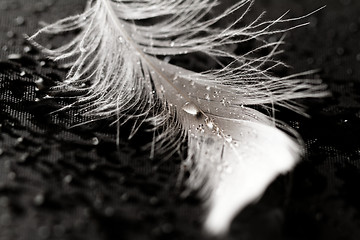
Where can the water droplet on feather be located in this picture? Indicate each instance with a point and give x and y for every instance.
(95, 141)
(191, 108)
(27, 49)
(20, 20)
(67, 179)
(209, 123)
(14, 56)
(10, 34)
(39, 199)
(39, 83)
(228, 138)
(162, 89)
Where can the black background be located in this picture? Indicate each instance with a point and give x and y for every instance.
(58, 182)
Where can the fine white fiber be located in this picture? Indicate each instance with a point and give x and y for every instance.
(234, 151)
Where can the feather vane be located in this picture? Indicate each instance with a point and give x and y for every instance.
(234, 151)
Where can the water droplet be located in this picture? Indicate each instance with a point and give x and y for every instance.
(10, 34)
(191, 108)
(167, 59)
(200, 128)
(39, 83)
(223, 101)
(93, 166)
(39, 199)
(228, 138)
(217, 131)
(23, 157)
(95, 141)
(162, 90)
(67, 179)
(19, 140)
(47, 97)
(172, 43)
(27, 49)
(124, 197)
(209, 123)
(22, 73)
(207, 96)
(20, 20)
(14, 56)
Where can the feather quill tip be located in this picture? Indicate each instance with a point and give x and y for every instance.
(269, 152)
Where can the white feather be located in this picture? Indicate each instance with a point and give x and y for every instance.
(234, 151)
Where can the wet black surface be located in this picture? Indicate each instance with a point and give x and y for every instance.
(64, 182)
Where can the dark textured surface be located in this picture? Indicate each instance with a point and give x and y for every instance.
(58, 182)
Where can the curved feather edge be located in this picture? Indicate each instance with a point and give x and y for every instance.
(234, 151)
